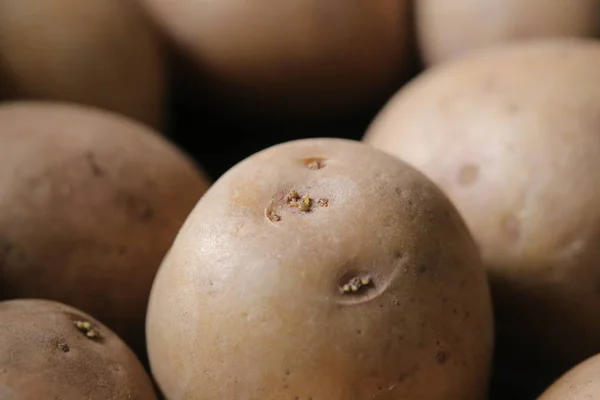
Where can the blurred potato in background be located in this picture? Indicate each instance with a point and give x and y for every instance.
(451, 28)
(101, 53)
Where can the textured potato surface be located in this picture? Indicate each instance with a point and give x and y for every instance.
(49, 350)
(321, 269)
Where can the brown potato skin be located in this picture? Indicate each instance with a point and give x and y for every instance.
(100, 53)
(44, 356)
(511, 135)
(298, 58)
(90, 203)
(582, 382)
(450, 29)
(248, 308)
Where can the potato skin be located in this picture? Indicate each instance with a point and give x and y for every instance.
(247, 306)
(511, 135)
(43, 355)
(100, 53)
(450, 29)
(298, 58)
(90, 203)
(582, 382)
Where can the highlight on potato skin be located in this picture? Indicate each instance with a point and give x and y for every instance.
(45, 355)
(376, 294)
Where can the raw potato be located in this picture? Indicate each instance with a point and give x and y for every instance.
(580, 383)
(90, 202)
(449, 29)
(511, 135)
(48, 351)
(295, 56)
(94, 52)
(321, 269)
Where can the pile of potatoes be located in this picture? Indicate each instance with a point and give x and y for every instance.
(332, 200)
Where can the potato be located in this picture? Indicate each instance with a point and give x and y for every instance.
(321, 269)
(50, 350)
(294, 57)
(90, 202)
(449, 29)
(511, 135)
(580, 383)
(101, 53)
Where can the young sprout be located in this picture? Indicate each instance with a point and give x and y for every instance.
(355, 284)
(323, 202)
(86, 327)
(292, 196)
(315, 164)
(272, 216)
(303, 203)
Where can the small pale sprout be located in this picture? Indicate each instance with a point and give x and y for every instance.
(86, 327)
(323, 202)
(315, 164)
(272, 216)
(292, 196)
(91, 333)
(356, 283)
(304, 205)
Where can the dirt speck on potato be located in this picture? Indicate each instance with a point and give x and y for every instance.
(468, 174)
(442, 356)
(64, 347)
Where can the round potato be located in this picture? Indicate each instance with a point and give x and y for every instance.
(96, 52)
(580, 383)
(321, 269)
(511, 135)
(49, 350)
(449, 29)
(292, 57)
(90, 202)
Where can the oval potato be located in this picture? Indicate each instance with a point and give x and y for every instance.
(49, 350)
(321, 269)
(292, 57)
(511, 135)
(90, 202)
